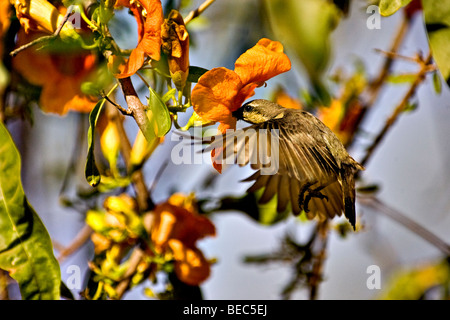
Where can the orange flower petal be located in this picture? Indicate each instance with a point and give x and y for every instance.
(149, 35)
(216, 154)
(262, 62)
(284, 99)
(214, 95)
(175, 43)
(174, 222)
(64, 73)
(63, 94)
(191, 266)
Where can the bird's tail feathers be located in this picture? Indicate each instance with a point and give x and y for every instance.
(348, 191)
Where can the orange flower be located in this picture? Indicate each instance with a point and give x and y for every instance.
(177, 226)
(5, 13)
(281, 97)
(221, 91)
(64, 71)
(175, 43)
(37, 15)
(149, 18)
(178, 219)
(191, 266)
(64, 74)
(342, 120)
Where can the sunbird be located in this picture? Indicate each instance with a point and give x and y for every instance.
(314, 172)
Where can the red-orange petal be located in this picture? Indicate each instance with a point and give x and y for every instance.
(262, 62)
(214, 95)
(191, 266)
(61, 90)
(149, 35)
(62, 94)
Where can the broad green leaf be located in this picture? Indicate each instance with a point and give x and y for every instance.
(389, 7)
(437, 20)
(25, 247)
(160, 114)
(91, 171)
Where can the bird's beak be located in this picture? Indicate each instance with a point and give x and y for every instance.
(238, 113)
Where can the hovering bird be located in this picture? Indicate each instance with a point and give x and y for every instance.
(314, 172)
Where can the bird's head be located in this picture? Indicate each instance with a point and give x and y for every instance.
(259, 111)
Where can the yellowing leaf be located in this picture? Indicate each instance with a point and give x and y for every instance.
(389, 7)
(25, 247)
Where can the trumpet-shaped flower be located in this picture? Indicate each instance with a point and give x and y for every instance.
(177, 226)
(64, 71)
(175, 43)
(221, 91)
(149, 18)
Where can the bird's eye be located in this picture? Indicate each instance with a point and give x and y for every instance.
(248, 108)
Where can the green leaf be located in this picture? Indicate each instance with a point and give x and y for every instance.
(169, 95)
(263, 213)
(195, 73)
(437, 20)
(402, 78)
(25, 247)
(389, 7)
(91, 171)
(437, 83)
(160, 117)
(410, 106)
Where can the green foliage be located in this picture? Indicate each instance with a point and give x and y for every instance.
(437, 83)
(402, 78)
(195, 73)
(389, 7)
(265, 214)
(25, 247)
(91, 171)
(160, 115)
(437, 19)
(291, 21)
(414, 283)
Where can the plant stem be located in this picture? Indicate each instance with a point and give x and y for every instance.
(424, 69)
(316, 274)
(405, 221)
(195, 13)
(44, 38)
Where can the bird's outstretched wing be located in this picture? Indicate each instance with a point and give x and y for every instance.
(290, 162)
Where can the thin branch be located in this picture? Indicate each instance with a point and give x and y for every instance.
(124, 284)
(376, 84)
(44, 38)
(195, 13)
(424, 69)
(317, 268)
(391, 55)
(408, 223)
(135, 106)
(122, 110)
(80, 239)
